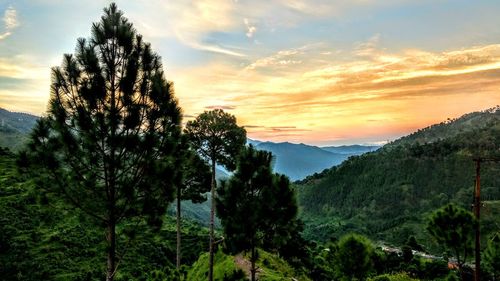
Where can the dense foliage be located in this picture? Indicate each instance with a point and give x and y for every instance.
(492, 256)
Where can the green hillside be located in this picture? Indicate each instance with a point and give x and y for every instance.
(387, 194)
(14, 128)
(41, 238)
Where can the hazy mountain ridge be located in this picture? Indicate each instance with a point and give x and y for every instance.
(354, 149)
(297, 161)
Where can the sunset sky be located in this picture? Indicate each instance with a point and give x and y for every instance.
(314, 71)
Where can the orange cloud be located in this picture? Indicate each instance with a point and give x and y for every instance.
(380, 95)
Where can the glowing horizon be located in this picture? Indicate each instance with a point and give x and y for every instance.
(316, 72)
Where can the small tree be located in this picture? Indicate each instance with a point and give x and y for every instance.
(453, 227)
(218, 139)
(256, 206)
(111, 130)
(353, 257)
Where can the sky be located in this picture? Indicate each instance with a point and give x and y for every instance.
(321, 72)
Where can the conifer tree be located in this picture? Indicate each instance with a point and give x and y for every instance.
(256, 206)
(111, 130)
(453, 227)
(353, 257)
(192, 185)
(217, 138)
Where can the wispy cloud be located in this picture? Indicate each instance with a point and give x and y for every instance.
(191, 22)
(223, 107)
(368, 48)
(281, 58)
(251, 29)
(10, 22)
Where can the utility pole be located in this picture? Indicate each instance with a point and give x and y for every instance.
(477, 212)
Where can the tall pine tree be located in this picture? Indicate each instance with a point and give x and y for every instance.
(111, 130)
(218, 139)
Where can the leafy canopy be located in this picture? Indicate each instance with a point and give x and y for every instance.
(216, 136)
(453, 227)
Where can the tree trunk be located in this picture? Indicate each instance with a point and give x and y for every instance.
(253, 259)
(111, 264)
(212, 218)
(178, 256)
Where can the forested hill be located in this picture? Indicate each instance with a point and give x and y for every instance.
(388, 193)
(14, 128)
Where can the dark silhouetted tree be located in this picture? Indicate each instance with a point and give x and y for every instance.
(192, 185)
(453, 227)
(257, 207)
(111, 130)
(353, 257)
(218, 139)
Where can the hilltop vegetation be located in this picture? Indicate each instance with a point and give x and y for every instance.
(452, 127)
(387, 194)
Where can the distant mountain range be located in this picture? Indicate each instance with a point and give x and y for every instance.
(298, 161)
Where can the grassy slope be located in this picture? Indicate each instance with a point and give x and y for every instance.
(271, 268)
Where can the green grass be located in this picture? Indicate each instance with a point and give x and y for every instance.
(224, 267)
(274, 268)
(393, 277)
(270, 268)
